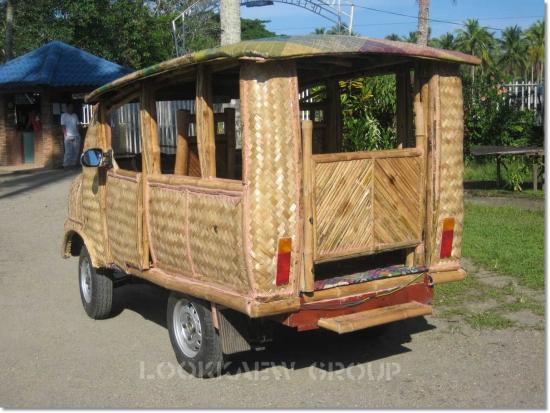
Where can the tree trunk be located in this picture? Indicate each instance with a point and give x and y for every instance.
(8, 46)
(423, 14)
(230, 20)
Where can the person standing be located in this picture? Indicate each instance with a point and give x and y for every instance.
(71, 135)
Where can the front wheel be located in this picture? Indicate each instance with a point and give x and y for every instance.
(193, 336)
(96, 288)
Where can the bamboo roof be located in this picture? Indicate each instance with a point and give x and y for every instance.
(291, 47)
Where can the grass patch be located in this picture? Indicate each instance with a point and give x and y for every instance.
(489, 319)
(523, 303)
(480, 170)
(508, 240)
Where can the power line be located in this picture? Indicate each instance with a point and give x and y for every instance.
(368, 24)
(416, 17)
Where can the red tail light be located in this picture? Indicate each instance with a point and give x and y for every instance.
(284, 252)
(447, 238)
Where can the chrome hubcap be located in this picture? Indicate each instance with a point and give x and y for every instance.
(86, 280)
(187, 328)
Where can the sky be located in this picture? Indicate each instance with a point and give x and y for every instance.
(495, 14)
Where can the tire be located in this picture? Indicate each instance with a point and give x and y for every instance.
(96, 288)
(193, 336)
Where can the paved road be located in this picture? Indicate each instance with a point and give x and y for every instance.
(54, 356)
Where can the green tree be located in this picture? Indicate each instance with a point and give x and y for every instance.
(476, 40)
(341, 29)
(255, 29)
(535, 40)
(411, 38)
(394, 37)
(124, 31)
(445, 41)
(513, 47)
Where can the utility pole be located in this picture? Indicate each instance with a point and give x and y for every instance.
(230, 20)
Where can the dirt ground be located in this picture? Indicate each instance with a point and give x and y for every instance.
(54, 356)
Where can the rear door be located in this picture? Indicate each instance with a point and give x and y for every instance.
(366, 202)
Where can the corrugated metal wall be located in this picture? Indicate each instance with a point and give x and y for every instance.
(125, 124)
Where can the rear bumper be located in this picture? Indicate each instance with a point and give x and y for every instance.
(448, 276)
(367, 296)
(307, 318)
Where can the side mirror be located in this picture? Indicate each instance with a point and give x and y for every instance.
(95, 157)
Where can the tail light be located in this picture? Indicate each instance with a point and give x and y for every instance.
(447, 238)
(284, 252)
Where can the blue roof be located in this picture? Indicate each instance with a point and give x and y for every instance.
(56, 64)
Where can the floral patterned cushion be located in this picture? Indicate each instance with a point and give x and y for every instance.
(370, 275)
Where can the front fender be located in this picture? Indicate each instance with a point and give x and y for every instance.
(73, 239)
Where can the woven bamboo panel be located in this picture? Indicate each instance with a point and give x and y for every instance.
(271, 158)
(215, 239)
(343, 206)
(91, 212)
(366, 205)
(168, 222)
(450, 201)
(75, 199)
(124, 220)
(396, 200)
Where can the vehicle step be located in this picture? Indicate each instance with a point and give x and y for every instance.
(377, 316)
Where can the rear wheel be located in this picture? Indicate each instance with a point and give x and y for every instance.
(193, 336)
(96, 288)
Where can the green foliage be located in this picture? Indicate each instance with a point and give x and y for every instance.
(491, 120)
(368, 112)
(134, 33)
(124, 31)
(516, 170)
(254, 29)
(513, 58)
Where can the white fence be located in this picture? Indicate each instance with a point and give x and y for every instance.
(525, 95)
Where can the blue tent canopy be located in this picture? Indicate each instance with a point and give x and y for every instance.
(56, 64)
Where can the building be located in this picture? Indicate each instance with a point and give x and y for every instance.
(34, 89)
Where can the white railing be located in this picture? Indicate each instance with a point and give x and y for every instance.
(525, 95)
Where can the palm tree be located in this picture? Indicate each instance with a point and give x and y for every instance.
(423, 14)
(412, 38)
(445, 41)
(513, 46)
(535, 40)
(477, 40)
(394, 37)
(9, 24)
(230, 21)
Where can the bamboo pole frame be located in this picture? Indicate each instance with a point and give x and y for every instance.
(307, 190)
(149, 132)
(205, 122)
(229, 124)
(333, 136)
(181, 166)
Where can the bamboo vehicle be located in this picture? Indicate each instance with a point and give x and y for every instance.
(286, 228)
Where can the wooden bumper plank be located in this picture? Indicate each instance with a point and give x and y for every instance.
(371, 318)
